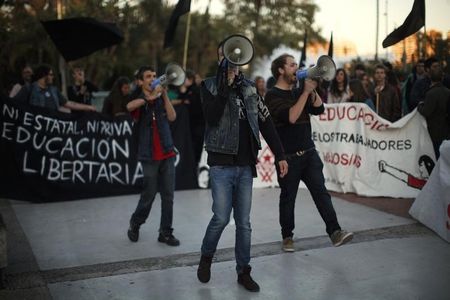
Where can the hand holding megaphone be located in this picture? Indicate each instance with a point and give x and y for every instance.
(325, 69)
(174, 74)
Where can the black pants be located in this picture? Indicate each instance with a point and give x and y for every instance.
(307, 168)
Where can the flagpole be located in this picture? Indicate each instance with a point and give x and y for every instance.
(62, 62)
(376, 34)
(186, 40)
(424, 50)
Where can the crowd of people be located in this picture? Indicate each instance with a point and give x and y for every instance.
(227, 112)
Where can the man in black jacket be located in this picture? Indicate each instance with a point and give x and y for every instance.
(290, 109)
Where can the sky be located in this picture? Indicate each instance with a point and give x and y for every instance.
(355, 20)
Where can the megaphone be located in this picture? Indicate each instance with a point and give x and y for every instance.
(238, 50)
(325, 68)
(174, 75)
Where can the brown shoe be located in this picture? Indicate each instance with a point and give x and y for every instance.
(340, 237)
(288, 244)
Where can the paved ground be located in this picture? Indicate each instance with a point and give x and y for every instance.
(79, 250)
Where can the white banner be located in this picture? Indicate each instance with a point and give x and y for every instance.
(432, 205)
(367, 155)
(363, 153)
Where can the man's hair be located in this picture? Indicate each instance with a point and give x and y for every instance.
(380, 66)
(142, 70)
(258, 78)
(77, 68)
(429, 62)
(220, 46)
(360, 67)
(41, 71)
(279, 62)
(421, 61)
(190, 74)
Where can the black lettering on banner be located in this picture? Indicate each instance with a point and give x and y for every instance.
(352, 138)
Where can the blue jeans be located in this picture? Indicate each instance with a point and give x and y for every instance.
(231, 187)
(158, 175)
(307, 168)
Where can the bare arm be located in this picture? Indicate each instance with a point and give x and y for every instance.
(135, 104)
(79, 106)
(171, 114)
(296, 110)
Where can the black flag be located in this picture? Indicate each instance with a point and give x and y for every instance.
(182, 7)
(303, 57)
(414, 21)
(330, 46)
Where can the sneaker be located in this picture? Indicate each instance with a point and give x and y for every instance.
(204, 269)
(247, 281)
(133, 232)
(169, 239)
(341, 237)
(288, 245)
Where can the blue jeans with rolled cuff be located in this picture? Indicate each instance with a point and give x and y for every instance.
(231, 188)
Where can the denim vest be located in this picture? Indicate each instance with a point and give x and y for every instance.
(145, 128)
(37, 98)
(224, 138)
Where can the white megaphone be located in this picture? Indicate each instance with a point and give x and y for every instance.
(238, 50)
(174, 75)
(325, 68)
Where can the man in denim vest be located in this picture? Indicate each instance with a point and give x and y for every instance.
(43, 93)
(153, 111)
(235, 114)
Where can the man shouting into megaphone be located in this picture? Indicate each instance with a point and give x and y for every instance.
(291, 109)
(235, 114)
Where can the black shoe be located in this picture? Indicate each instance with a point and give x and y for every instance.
(246, 280)
(204, 269)
(169, 239)
(133, 232)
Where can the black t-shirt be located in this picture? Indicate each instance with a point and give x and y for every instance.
(74, 93)
(294, 137)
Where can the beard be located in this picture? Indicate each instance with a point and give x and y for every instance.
(290, 78)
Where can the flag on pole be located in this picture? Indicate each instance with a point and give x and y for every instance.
(414, 21)
(330, 46)
(303, 57)
(182, 7)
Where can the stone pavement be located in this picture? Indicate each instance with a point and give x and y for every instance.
(79, 250)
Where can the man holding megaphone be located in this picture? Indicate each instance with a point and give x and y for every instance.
(235, 114)
(153, 111)
(291, 109)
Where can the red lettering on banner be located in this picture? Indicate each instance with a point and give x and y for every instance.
(265, 166)
(343, 159)
(353, 113)
(351, 116)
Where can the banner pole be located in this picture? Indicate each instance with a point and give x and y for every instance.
(186, 40)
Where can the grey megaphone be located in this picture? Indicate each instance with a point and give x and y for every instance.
(238, 50)
(173, 75)
(325, 68)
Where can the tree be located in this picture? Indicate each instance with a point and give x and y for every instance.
(271, 23)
